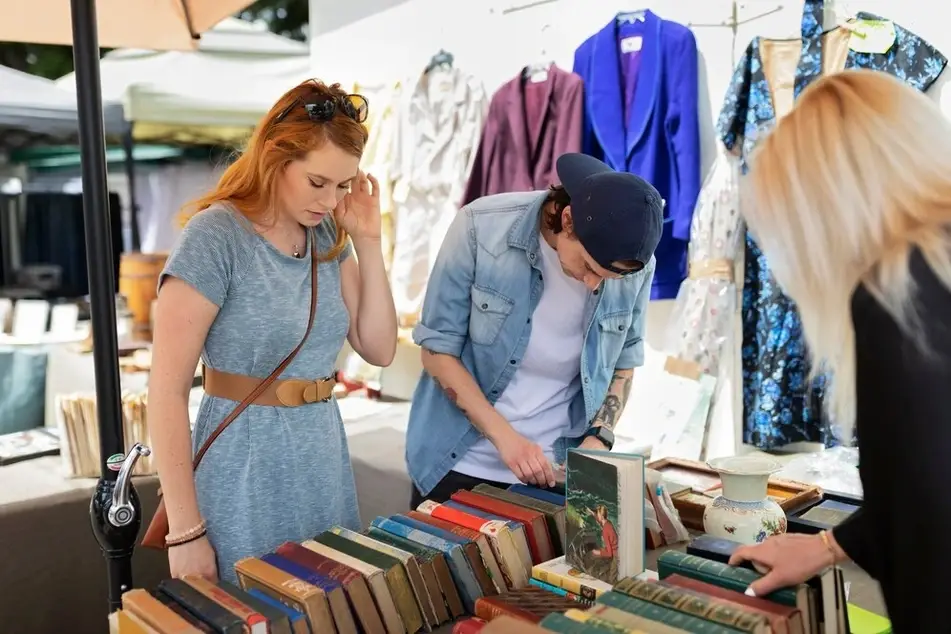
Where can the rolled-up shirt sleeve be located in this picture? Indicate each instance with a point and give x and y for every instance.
(444, 324)
(632, 355)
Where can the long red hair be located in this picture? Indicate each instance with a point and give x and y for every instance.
(250, 182)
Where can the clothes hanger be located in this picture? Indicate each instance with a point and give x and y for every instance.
(631, 17)
(442, 59)
(842, 20)
(537, 71)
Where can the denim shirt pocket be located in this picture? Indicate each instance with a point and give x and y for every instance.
(613, 329)
(489, 310)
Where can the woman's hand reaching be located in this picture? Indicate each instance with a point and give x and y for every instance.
(786, 560)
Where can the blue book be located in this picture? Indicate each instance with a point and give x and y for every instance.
(539, 494)
(462, 575)
(299, 624)
(338, 610)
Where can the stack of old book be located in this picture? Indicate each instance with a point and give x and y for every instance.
(79, 432)
(493, 560)
(379, 582)
(694, 594)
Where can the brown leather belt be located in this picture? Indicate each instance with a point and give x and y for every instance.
(281, 393)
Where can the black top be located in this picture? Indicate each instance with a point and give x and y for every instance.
(901, 534)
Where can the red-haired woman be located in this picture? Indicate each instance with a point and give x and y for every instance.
(236, 290)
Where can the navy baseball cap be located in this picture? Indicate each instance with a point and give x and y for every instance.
(616, 215)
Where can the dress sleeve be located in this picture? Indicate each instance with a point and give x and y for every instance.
(856, 537)
(911, 58)
(212, 252)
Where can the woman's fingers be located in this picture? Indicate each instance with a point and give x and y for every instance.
(376, 185)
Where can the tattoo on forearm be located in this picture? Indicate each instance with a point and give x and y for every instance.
(614, 402)
(451, 394)
(610, 411)
(628, 380)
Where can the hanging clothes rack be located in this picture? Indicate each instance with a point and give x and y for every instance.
(734, 23)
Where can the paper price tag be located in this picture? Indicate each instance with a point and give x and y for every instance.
(872, 36)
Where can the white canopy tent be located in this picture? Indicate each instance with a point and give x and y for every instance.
(32, 107)
(214, 94)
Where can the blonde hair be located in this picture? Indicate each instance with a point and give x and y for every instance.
(847, 185)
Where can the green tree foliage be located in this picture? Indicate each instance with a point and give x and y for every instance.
(284, 17)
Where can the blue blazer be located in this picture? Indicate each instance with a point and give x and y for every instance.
(661, 139)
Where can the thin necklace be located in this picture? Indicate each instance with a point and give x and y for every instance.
(297, 251)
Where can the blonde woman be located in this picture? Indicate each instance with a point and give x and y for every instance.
(850, 199)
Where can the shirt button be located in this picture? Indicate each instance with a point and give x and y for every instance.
(620, 327)
(452, 455)
(595, 291)
(528, 321)
(495, 391)
(512, 361)
(484, 306)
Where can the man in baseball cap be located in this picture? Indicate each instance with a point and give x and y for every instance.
(615, 217)
(531, 328)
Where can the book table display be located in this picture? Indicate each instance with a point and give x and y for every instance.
(509, 561)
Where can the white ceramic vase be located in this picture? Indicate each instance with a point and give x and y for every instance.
(742, 512)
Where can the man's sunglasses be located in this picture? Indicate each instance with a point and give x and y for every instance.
(321, 109)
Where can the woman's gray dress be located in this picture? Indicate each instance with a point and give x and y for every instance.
(277, 473)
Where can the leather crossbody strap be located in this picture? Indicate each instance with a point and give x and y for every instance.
(250, 398)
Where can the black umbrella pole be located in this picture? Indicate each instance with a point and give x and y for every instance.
(114, 510)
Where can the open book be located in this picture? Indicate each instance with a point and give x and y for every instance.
(605, 514)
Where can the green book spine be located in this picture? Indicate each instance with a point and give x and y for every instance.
(557, 622)
(349, 547)
(663, 614)
(713, 572)
(704, 608)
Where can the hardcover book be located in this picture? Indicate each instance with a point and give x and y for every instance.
(605, 514)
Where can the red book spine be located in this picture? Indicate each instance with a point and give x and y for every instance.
(318, 563)
(471, 625)
(511, 511)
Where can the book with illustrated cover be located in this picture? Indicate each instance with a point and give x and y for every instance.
(604, 518)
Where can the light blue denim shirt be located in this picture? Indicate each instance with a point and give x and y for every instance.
(479, 303)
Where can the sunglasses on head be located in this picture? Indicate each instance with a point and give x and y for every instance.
(322, 108)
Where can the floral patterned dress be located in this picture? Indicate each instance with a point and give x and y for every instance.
(780, 404)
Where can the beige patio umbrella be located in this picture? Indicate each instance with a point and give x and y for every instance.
(114, 512)
(151, 24)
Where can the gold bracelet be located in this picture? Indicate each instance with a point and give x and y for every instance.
(191, 532)
(187, 540)
(828, 544)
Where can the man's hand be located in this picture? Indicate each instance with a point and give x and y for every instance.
(525, 459)
(593, 443)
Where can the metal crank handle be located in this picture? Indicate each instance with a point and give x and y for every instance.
(121, 513)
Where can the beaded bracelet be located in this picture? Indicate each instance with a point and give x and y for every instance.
(187, 535)
(187, 540)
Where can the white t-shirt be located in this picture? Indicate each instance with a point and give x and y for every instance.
(537, 398)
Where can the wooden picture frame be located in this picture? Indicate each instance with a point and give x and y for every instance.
(823, 514)
(705, 482)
